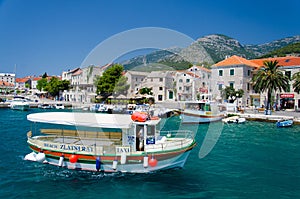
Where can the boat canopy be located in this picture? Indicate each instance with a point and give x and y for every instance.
(83, 119)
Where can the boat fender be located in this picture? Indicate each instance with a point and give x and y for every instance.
(115, 164)
(123, 158)
(61, 160)
(40, 157)
(146, 159)
(98, 163)
(153, 162)
(73, 158)
(31, 157)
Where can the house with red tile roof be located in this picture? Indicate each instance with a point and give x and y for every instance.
(237, 72)
(21, 83)
(192, 84)
(82, 83)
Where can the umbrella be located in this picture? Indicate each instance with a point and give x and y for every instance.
(121, 97)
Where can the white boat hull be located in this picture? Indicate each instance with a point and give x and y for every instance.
(19, 106)
(200, 117)
(175, 162)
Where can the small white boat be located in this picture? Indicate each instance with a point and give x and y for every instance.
(108, 142)
(45, 106)
(19, 103)
(234, 119)
(200, 112)
(59, 106)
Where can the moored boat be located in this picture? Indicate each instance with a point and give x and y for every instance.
(108, 142)
(284, 123)
(19, 103)
(200, 112)
(234, 119)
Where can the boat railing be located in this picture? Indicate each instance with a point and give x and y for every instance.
(171, 140)
(177, 134)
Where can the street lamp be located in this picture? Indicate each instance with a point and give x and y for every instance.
(237, 101)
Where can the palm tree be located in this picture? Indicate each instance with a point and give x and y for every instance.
(270, 78)
(296, 84)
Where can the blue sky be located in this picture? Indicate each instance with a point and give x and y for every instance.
(56, 35)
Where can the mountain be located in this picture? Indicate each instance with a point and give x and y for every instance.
(263, 49)
(204, 51)
(293, 48)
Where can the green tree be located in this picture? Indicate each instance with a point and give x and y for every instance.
(231, 94)
(145, 90)
(106, 83)
(27, 85)
(55, 85)
(41, 84)
(268, 79)
(121, 86)
(296, 84)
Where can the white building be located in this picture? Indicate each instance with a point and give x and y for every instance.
(135, 80)
(82, 84)
(8, 77)
(237, 73)
(161, 83)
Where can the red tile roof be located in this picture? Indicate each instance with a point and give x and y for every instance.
(236, 60)
(282, 61)
(4, 83)
(22, 80)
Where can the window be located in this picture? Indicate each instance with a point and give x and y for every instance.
(160, 88)
(187, 80)
(220, 72)
(180, 88)
(249, 72)
(231, 84)
(180, 80)
(171, 94)
(248, 86)
(160, 79)
(288, 74)
(187, 88)
(231, 72)
(220, 87)
(160, 97)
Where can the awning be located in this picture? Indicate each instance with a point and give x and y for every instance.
(83, 119)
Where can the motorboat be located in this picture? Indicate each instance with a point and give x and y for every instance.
(284, 123)
(19, 103)
(107, 142)
(59, 106)
(234, 119)
(200, 112)
(45, 106)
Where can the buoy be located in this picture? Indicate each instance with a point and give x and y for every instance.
(123, 158)
(153, 162)
(40, 157)
(145, 164)
(31, 156)
(115, 164)
(61, 161)
(134, 116)
(98, 163)
(73, 158)
(139, 116)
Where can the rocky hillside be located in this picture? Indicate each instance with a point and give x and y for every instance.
(207, 51)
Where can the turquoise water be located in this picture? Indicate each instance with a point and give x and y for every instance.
(252, 160)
